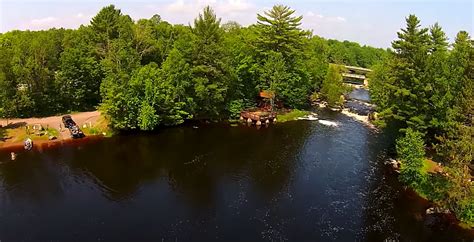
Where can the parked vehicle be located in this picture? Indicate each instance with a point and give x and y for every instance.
(75, 131)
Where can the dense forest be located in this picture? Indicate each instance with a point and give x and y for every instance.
(147, 73)
(425, 88)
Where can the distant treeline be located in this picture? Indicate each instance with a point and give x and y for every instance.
(149, 72)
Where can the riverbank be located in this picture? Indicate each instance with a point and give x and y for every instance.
(291, 115)
(361, 118)
(432, 189)
(49, 130)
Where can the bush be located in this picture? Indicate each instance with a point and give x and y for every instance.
(465, 210)
(333, 87)
(411, 152)
(235, 107)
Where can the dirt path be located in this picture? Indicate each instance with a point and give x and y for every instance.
(55, 121)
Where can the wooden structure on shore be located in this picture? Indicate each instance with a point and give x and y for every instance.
(264, 114)
(258, 117)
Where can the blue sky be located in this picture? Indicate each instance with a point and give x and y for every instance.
(371, 22)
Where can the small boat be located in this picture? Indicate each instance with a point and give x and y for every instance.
(28, 145)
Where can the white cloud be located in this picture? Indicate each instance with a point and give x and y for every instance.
(327, 26)
(184, 11)
(340, 19)
(72, 21)
(43, 21)
(179, 7)
(231, 7)
(312, 17)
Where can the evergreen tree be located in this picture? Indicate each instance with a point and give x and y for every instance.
(278, 31)
(211, 67)
(408, 97)
(438, 83)
(438, 39)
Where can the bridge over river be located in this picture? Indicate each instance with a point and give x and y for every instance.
(356, 75)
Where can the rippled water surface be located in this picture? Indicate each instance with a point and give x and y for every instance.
(293, 181)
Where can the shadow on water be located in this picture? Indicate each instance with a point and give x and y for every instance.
(191, 160)
(292, 181)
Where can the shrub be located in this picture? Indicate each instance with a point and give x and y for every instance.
(411, 152)
(465, 210)
(235, 107)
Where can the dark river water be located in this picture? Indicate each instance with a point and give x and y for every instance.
(293, 181)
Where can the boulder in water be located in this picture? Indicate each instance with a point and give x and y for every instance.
(437, 210)
(394, 163)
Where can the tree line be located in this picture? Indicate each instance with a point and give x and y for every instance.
(147, 73)
(425, 89)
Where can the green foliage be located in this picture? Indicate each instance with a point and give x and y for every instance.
(279, 46)
(381, 86)
(457, 148)
(206, 70)
(411, 152)
(278, 31)
(333, 87)
(417, 85)
(147, 118)
(352, 54)
(149, 99)
(428, 89)
(292, 115)
(211, 71)
(79, 78)
(235, 107)
(464, 210)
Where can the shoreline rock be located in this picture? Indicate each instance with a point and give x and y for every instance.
(361, 118)
(437, 210)
(395, 164)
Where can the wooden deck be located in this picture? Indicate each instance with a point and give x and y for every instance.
(259, 117)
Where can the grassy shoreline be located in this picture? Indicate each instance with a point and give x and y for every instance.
(292, 115)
